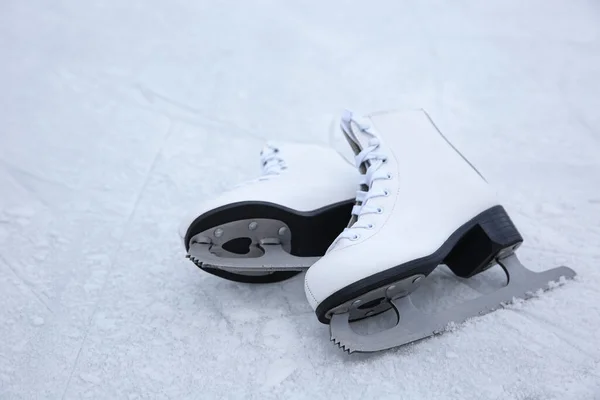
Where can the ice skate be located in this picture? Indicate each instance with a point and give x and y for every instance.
(422, 204)
(271, 228)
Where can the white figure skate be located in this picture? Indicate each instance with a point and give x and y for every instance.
(422, 204)
(273, 227)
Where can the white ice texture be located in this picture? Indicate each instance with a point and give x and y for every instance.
(118, 117)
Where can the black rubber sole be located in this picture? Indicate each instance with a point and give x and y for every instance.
(312, 231)
(467, 252)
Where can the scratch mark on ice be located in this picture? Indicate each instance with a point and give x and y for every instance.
(25, 282)
(118, 251)
(151, 96)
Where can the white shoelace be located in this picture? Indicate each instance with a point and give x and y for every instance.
(271, 165)
(373, 159)
(271, 161)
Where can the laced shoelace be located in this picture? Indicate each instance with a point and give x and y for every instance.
(271, 164)
(271, 161)
(371, 157)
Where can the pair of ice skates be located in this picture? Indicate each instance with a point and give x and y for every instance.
(419, 204)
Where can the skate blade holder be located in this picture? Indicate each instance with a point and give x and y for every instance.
(264, 246)
(413, 325)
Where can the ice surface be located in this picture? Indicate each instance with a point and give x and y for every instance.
(118, 116)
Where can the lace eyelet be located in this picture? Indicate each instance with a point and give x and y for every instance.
(379, 210)
(384, 161)
(389, 176)
(355, 237)
(370, 226)
(386, 193)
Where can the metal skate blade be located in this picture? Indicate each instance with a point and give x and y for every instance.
(275, 258)
(414, 325)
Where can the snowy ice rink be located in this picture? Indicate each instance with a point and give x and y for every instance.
(117, 117)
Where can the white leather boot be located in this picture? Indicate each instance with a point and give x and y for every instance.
(422, 204)
(271, 228)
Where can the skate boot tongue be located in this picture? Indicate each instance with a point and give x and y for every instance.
(355, 129)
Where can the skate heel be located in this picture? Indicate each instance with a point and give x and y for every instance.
(493, 234)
